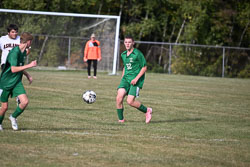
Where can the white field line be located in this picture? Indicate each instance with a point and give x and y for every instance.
(114, 135)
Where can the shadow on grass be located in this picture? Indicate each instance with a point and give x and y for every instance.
(177, 120)
(59, 109)
(156, 121)
(53, 129)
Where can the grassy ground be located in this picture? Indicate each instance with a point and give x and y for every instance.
(197, 121)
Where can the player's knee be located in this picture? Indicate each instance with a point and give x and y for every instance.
(119, 99)
(25, 102)
(130, 101)
(4, 108)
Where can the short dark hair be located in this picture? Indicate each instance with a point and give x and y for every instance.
(129, 37)
(26, 37)
(12, 27)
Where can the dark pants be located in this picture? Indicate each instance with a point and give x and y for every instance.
(94, 65)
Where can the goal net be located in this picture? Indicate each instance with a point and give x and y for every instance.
(60, 38)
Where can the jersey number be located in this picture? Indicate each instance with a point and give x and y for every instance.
(129, 67)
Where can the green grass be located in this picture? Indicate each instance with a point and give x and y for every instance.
(197, 121)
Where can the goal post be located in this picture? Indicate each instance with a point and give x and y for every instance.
(60, 36)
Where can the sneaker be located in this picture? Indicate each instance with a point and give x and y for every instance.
(121, 121)
(148, 115)
(1, 128)
(13, 123)
(94, 77)
(89, 77)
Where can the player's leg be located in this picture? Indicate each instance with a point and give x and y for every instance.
(24, 101)
(20, 92)
(4, 108)
(89, 68)
(122, 90)
(19, 110)
(132, 94)
(121, 93)
(4, 96)
(133, 103)
(95, 67)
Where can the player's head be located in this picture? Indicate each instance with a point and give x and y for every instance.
(12, 30)
(92, 37)
(26, 38)
(129, 37)
(129, 42)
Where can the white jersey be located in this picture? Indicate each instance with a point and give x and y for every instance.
(6, 44)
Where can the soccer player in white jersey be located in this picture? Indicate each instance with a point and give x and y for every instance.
(8, 42)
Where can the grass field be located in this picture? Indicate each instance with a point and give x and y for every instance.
(197, 121)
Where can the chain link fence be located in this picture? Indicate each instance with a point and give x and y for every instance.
(61, 52)
(188, 59)
(64, 52)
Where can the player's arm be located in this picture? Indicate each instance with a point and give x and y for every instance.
(28, 76)
(123, 70)
(85, 57)
(15, 69)
(143, 70)
(99, 56)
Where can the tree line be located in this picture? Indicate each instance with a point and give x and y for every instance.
(206, 22)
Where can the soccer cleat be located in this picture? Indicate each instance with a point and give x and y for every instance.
(89, 77)
(121, 121)
(1, 128)
(94, 77)
(13, 123)
(148, 115)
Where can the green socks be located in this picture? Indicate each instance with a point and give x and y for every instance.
(120, 113)
(17, 112)
(1, 119)
(142, 108)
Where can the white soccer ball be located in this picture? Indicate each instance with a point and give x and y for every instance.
(89, 96)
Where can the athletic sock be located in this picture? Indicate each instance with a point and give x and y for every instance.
(120, 113)
(142, 108)
(17, 112)
(1, 119)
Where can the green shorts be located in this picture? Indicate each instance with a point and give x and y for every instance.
(130, 89)
(16, 91)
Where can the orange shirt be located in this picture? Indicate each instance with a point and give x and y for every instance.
(92, 50)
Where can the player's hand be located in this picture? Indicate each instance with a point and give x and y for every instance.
(85, 60)
(99, 59)
(33, 63)
(30, 79)
(134, 81)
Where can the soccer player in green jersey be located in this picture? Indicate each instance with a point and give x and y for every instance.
(11, 79)
(133, 76)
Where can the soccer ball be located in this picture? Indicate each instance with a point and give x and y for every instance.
(89, 96)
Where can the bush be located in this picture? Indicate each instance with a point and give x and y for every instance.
(155, 68)
(245, 73)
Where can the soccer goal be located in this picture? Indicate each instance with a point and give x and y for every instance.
(60, 38)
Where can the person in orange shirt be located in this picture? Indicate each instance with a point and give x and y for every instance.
(92, 53)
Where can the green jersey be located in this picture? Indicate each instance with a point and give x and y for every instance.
(8, 80)
(133, 64)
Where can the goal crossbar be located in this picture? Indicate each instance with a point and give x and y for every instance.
(79, 15)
